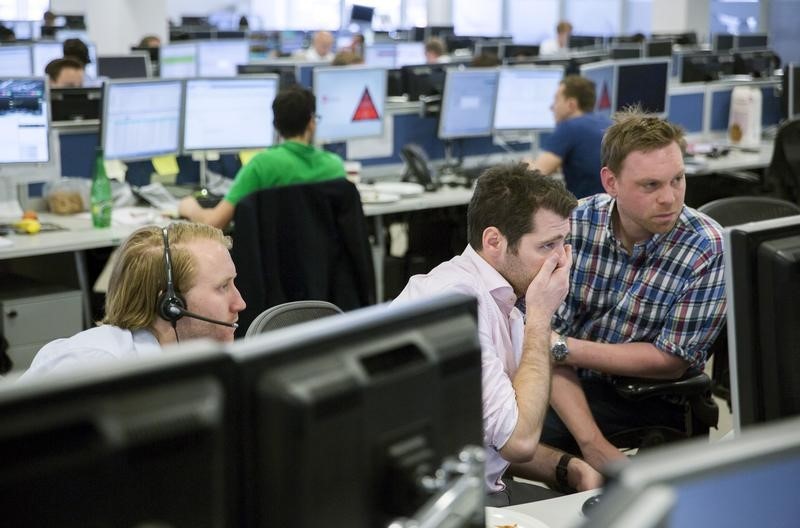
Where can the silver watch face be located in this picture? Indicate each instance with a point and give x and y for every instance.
(559, 351)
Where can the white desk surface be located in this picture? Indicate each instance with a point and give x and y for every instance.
(561, 512)
(735, 160)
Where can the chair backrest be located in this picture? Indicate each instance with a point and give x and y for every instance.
(743, 209)
(783, 175)
(289, 314)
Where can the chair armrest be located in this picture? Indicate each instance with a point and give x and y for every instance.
(691, 384)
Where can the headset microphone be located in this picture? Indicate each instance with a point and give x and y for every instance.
(181, 312)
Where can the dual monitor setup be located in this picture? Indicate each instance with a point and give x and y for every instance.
(479, 102)
(27, 60)
(343, 421)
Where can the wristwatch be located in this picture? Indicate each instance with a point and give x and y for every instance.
(559, 350)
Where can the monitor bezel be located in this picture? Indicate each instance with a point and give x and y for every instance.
(147, 65)
(238, 79)
(48, 163)
(104, 122)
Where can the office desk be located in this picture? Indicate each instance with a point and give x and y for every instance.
(561, 512)
(735, 160)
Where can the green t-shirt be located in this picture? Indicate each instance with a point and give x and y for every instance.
(285, 164)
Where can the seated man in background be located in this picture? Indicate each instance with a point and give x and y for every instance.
(140, 312)
(65, 73)
(574, 145)
(516, 253)
(647, 293)
(321, 48)
(559, 44)
(435, 51)
(150, 41)
(296, 160)
(76, 49)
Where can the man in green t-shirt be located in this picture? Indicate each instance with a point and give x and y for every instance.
(296, 160)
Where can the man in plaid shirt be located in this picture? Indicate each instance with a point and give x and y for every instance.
(647, 294)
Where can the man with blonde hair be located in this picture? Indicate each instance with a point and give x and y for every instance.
(647, 292)
(168, 284)
(559, 44)
(321, 48)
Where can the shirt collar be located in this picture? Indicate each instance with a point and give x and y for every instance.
(647, 246)
(498, 286)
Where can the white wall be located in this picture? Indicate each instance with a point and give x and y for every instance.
(115, 25)
(670, 16)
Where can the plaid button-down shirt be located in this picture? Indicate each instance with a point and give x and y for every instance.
(669, 291)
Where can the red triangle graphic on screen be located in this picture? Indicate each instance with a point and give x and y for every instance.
(604, 103)
(366, 110)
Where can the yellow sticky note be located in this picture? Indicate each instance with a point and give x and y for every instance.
(246, 155)
(165, 165)
(115, 169)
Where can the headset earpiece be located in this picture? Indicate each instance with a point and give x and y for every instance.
(170, 305)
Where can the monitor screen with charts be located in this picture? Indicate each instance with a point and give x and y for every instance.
(15, 61)
(219, 58)
(133, 66)
(178, 60)
(351, 102)
(524, 97)
(24, 121)
(220, 114)
(141, 119)
(468, 103)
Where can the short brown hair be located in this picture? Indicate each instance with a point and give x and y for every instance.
(54, 67)
(139, 276)
(582, 90)
(633, 130)
(435, 45)
(564, 27)
(507, 196)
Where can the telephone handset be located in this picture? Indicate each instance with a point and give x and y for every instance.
(418, 168)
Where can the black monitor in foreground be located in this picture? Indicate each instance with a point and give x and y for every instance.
(76, 104)
(344, 415)
(762, 277)
(124, 444)
(790, 95)
(747, 481)
(423, 79)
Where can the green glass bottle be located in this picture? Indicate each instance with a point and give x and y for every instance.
(101, 193)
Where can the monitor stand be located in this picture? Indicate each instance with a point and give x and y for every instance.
(203, 195)
(451, 173)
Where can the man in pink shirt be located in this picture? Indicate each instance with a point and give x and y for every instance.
(518, 221)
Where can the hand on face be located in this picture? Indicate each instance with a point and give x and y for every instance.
(550, 286)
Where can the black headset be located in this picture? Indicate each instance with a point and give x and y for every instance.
(171, 305)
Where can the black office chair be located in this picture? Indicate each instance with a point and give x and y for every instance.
(782, 178)
(730, 212)
(694, 390)
(291, 313)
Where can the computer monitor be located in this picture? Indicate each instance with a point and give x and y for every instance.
(381, 55)
(26, 151)
(625, 52)
(524, 97)
(723, 42)
(133, 66)
(603, 75)
(351, 102)
(194, 20)
(150, 50)
(361, 13)
(409, 53)
(76, 104)
(74, 21)
(44, 52)
(422, 80)
(468, 103)
(752, 479)
(145, 443)
(292, 41)
(346, 413)
(286, 72)
(513, 51)
(15, 61)
(642, 83)
(762, 277)
(704, 67)
(229, 114)
(752, 41)
(219, 58)
(756, 63)
(584, 41)
(141, 119)
(790, 94)
(178, 60)
(658, 48)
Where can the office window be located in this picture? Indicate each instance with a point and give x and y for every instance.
(23, 9)
(475, 19)
(387, 15)
(734, 16)
(639, 17)
(305, 15)
(594, 17)
(532, 21)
